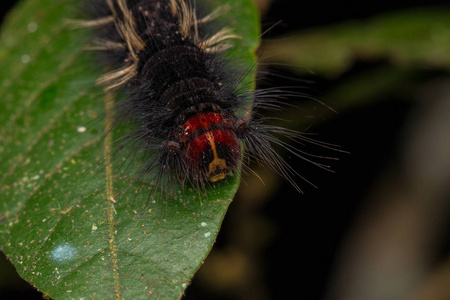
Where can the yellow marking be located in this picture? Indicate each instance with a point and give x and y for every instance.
(217, 164)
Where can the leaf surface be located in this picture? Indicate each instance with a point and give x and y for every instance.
(74, 224)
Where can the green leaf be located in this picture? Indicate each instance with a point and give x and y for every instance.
(69, 221)
(419, 38)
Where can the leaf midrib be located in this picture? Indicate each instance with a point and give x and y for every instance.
(108, 141)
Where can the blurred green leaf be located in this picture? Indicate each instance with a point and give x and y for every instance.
(59, 225)
(419, 37)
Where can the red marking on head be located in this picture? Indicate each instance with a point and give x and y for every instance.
(211, 146)
(203, 122)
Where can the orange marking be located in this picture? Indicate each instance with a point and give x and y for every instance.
(217, 164)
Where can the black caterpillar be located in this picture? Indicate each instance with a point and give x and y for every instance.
(182, 96)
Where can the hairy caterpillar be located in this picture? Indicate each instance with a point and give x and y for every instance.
(191, 117)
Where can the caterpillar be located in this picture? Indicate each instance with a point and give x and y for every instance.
(189, 113)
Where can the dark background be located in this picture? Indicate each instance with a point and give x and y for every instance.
(276, 243)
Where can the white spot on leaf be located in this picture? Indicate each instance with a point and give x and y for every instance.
(63, 253)
(32, 27)
(25, 58)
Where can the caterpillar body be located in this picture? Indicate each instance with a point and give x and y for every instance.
(183, 97)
